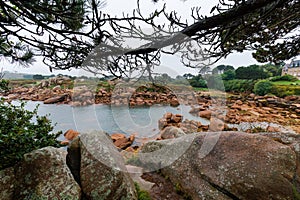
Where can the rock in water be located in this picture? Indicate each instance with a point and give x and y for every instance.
(44, 175)
(239, 166)
(171, 132)
(56, 99)
(205, 114)
(121, 141)
(103, 174)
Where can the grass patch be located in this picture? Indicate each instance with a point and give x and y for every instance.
(285, 90)
(21, 82)
(296, 193)
(142, 194)
(200, 89)
(286, 82)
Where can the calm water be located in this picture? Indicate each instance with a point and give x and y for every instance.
(112, 119)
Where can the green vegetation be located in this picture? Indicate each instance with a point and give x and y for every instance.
(287, 83)
(285, 90)
(222, 69)
(263, 87)
(296, 193)
(238, 85)
(196, 81)
(38, 77)
(229, 75)
(252, 72)
(21, 132)
(224, 78)
(142, 194)
(4, 85)
(260, 79)
(200, 89)
(286, 77)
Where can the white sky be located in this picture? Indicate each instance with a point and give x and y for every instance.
(170, 64)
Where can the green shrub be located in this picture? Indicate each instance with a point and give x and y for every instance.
(4, 85)
(197, 81)
(286, 77)
(142, 194)
(263, 87)
(239, 85)
(200, 83)
(228, 75)
(22, 131)
(285, 90)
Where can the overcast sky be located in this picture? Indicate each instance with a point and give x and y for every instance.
(169, 64)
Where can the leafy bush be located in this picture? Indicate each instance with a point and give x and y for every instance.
(286, 77)
(198, 81)
(4, 85)
(285, 90)
(228, 75)
(263, 87)
(253, 72)
(201, 83)
(239, 85)
(22, 131)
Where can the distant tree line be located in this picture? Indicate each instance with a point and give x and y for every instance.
(228, 72)
(259, 79)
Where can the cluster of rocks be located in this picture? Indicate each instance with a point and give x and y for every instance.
(78, 96)
(170, 119)
(55, 81)
(54, 95)
(191, 126)
(92, 169)
(251, 108)
(103, 97)
(119, 139)
(49, 91)
(82, 96)
(133, 98)
(265, 106)
(270, 109)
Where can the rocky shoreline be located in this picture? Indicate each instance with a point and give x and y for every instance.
(263, 164)
(235, 108)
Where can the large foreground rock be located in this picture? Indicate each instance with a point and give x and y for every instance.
(43, 175)
(229, 165)
(102, 172)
